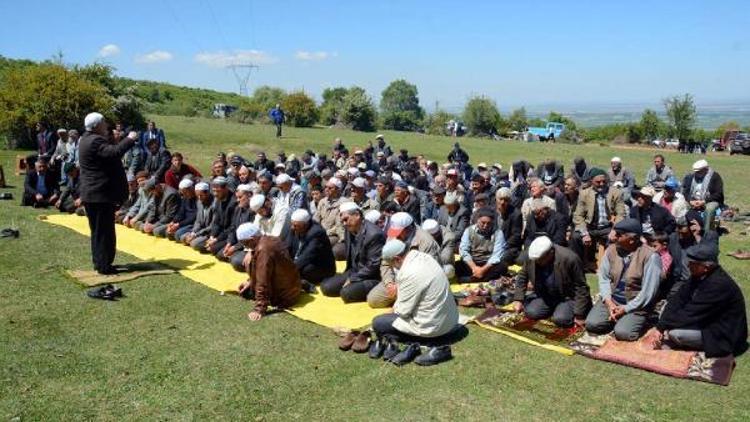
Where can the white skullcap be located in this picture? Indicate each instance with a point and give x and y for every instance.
(498, 166)
(362, 166)
(401, 219)
(392, 248)
(430, 226)
(450, 198)
(244, 188)
(254, 187)
(202, 186)
(370, 173)
(503, 193)
(539, 247)
(396, 176)
(280, 166)
(185, 184)
(372, 216)
(257, 201)
(348, 207)
(92, 120)
(616, 160)
(353, 170)
(340, 174)
(359, 182)
(301, 215)
(700, 165)
(334, 182)
(283, 178)
(247, 231)
(130, 177)
(482, 165)
(62, 130)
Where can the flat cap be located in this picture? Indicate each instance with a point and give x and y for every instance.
(629, 225)
(703, 252)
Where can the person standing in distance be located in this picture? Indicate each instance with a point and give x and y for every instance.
(103, 186)
(277, 117)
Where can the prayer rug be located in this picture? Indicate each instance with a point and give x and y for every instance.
(641, 354)
(127, 272)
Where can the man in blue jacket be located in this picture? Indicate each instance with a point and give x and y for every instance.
(277, 117)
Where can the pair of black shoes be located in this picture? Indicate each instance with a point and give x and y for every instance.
(389, 350)
(108, 292)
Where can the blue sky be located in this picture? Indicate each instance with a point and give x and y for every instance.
(533, 53)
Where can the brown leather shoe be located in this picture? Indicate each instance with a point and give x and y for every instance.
(348, 340)
(740, 254)
(362, 342)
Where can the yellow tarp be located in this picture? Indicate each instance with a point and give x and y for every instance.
(205, 269)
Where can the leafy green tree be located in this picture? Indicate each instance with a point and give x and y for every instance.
(651, 127)
(330, 109)
(267, 97)
(559, 118)
(300, 109)
(681, 114)
(537, 122)
(518, 120)
(482, 116)
(358, 111)
(730, 125)
(399, 106)
(437, 122)
(49, 93)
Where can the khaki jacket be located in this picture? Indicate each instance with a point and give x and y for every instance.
(584, 214)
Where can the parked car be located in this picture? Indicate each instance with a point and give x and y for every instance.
(552, 131)
(740, 144)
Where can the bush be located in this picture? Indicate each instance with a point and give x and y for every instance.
(437, 122)
(400, 108)
(482, 117)
(333, 101)
(49, 93)
(358, 111)
(300, 110)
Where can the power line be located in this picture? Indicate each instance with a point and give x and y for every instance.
(182, 25)
(242, 74)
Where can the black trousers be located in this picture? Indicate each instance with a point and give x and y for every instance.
(315, 274)
(278, 130)
(103, 241)
(354, 292)
(383, 327)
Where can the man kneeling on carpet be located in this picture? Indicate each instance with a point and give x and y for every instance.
(424, 311)
(707, 313)
(559, 285)
(629, 277)
(273, 279)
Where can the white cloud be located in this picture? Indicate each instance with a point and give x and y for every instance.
(223, 58)
(109, 50)
(313, 56)
(156, 56)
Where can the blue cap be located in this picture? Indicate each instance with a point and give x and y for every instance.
(671, 183)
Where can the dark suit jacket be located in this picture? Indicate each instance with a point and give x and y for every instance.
(50, 181)
(102, 176)
(715, 192)
(460, 220)
(222, 218)
(158, 164)
(571, 280)
(313, 248)
(163, 210)
(555, 227)
(558, 174)
(511, 228)
(412, 207)
(661, 219)
(364, 251)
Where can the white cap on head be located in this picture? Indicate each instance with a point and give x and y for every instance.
(130, 176)
(450, 198)
(353, 170)
(392, 248)
(244, 188)
(301, 215)
(334, 182)
(503, 193)
(257, 201)
(540, 246)
(430, 226)
(247, 231)
(185, 184)
(202, 186)
(359, 182)
(396, 176)
(700, 165)
(283, 178)
(401, 219)
(348, 207)
(616, 160)
(370, 173)
(92, 120)
(372, 216)
(482, 165)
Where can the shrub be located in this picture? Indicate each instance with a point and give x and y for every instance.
(300, 110)
(358, 111)
(436, 122)
(400, 108)
(481, 116)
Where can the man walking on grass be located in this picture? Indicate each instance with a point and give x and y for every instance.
(277, 117)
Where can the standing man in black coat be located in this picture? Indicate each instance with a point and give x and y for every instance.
(103, 187)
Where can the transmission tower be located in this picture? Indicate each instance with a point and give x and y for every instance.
(242, 74)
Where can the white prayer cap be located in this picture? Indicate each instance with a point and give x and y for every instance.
(430, 226)
(401, 219)
(498, 166)
(539, 247)
(362, 166)
(372, 216)
(616, 160)
(257, 201)
(348, 207)
(202, 186)
(392, 248)
(353, 170)
(503, 193)
(62, 130)
(280, 166)
(283, 178)
(92, 120)
(244, 188)
(247, 231)
(130, 177)
(700, 165)
(334, 182)
(396, 176)
(301, 215)
(450, 198)
(185, 184)
(359, 182)
(254, 187)
(370, 173)
(340, 174)
(482, 165)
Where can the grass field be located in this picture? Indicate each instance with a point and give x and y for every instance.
(174, 349)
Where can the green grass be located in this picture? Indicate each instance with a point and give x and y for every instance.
(174, 349)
